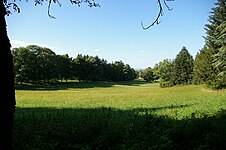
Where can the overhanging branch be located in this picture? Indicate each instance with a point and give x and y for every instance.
(14, 7)
(90, 3)
(160, 14)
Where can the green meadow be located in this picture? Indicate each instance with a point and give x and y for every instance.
(122, 115)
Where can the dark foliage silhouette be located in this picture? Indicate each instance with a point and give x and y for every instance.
(108, 128)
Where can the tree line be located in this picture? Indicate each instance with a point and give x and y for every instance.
(39, 64)
(209, 65)
(171, 72)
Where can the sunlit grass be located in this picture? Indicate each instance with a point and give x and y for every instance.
(178, 101)
(126, 115)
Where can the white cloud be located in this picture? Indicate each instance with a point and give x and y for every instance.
(17, 43)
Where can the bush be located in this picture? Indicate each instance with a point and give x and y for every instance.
(165, 84)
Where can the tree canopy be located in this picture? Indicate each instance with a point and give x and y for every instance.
(39, 64)
(148, 74)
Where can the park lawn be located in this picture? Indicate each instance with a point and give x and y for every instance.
(178, 101)
(122, 115)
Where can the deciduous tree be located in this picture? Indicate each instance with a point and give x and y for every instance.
(165, 73)
(148, 74)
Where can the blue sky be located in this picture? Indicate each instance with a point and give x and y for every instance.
(113, 31)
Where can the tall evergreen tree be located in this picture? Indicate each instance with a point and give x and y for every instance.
(183, 67)
(220, 57)
(215, 47)
(203, 69)
(219, 60)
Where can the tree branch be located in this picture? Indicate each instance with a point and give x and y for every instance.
(160, 14)
(13, 5)
(90, 3)
(49, 5)
(170, 9)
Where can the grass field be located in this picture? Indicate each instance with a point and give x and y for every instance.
(123, 115)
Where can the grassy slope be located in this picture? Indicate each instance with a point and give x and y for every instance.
(126, 115)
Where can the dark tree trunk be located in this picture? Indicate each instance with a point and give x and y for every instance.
(7, 91)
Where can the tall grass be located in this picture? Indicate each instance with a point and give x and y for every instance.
(124, 115)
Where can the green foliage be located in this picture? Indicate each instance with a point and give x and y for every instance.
(220, 57)
(22, 57)
(156, 72)
(122, 72)
(63, 66)
(165, 83)
(89, 68)
(183, 68)
(202, 71)
(107, 128)
(36, 64)
(214, 50)
(164, 70)
(148, 74)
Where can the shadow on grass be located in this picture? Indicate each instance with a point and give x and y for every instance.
(131, 83)
(73, 85)
(113, 129)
